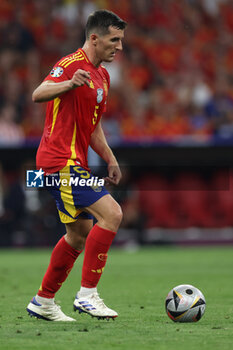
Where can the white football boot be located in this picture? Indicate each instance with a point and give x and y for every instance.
(93, 305)
(48, 311)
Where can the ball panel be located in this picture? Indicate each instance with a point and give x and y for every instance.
(167, 302)
(177, 298)
(199, 302)
(175, 316)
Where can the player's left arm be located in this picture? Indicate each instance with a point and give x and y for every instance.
(99, 144)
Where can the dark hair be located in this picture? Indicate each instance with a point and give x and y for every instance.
(101, 20)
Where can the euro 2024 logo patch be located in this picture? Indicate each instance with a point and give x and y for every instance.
(56, 72)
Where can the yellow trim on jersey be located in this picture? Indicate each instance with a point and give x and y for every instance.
(72, 146)
(72, 58)
(85, 56)
(70, 162)
(67, 197)
(71, 61)
(56, 103)
(105, 87)
(65, 219)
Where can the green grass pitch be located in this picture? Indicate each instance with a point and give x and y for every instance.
(135, 284)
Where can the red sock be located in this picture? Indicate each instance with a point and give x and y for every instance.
(61, 263)
(97, 245)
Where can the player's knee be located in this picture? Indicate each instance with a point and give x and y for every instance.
(118, 215)
(76, 233)
(114, 216)
(75, 241)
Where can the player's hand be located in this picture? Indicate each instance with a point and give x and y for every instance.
(114, 175)
(80, 78)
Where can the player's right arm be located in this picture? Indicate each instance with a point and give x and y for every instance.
(48, 90)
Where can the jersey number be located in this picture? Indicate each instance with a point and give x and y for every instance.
(84, 174)
(94, 119)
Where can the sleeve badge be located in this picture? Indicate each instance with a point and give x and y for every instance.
(56, 72)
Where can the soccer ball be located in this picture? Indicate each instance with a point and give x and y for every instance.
(185, 303)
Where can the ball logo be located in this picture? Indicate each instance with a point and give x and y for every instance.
(56, 72)
(103, 257)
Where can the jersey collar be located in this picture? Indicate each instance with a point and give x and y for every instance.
(87, 59)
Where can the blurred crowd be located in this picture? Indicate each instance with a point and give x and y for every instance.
(172, 83)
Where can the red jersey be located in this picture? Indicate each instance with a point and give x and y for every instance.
(72, 117)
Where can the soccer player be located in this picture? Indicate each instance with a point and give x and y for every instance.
(76, 91)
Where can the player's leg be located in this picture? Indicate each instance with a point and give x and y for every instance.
(62, 260)
(77, 231)
(109, 215)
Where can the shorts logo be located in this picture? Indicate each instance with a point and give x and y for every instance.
(100, 93)
(56, 72)
(102, 256)
(97, 188)
(35, 178)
